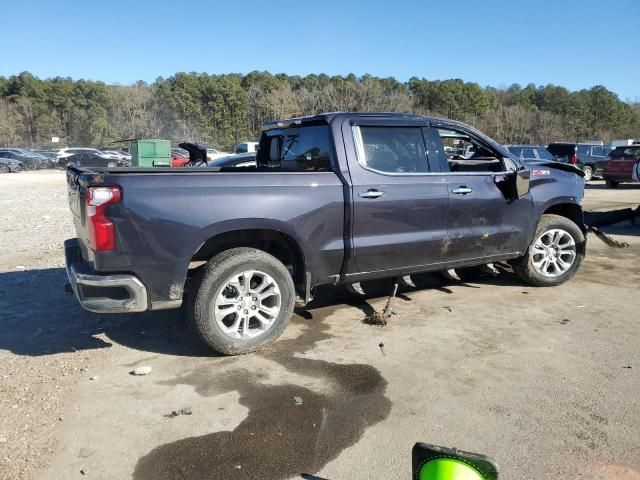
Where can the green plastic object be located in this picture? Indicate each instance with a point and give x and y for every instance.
(432, 462)
(448, 469)
(150, 153)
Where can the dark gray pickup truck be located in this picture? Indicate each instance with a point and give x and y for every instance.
(334, 198)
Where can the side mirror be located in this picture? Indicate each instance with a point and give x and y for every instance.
(523, 178)
(275, 148)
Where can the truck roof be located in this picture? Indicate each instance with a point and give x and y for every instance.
(329, 116)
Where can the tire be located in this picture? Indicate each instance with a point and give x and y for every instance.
(612, 183)
(4, 168)
(229, 333)
(29, 165)
(588, 173)
(531, 266)
(112, 164)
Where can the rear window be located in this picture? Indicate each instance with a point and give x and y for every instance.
(559, 150)
(631, 152)
(304, 149)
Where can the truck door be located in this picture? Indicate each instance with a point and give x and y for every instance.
(399, 207)
(484, 222)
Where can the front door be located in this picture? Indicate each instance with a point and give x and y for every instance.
(399, 205)
(483, 222)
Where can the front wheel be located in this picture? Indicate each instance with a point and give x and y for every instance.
(243, 301)
(554, 255)
(588, 173)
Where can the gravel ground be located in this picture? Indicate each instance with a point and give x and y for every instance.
(543, 380)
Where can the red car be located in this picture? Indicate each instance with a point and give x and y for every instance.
(620, 164)
(178, 158)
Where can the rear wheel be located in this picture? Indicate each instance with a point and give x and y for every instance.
(612, 183)
(243, 301)
(4, 168)
(554, 255)
(29, 165)
(112, 164)
(588, 173)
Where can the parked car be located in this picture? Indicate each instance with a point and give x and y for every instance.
(620, 164)
(91, 159)
(589, 157)
(179, 157)
(67, 152)
(240, 160)
(213, 153)
(334, 198)
(531, 153)
(117, 154)
(246, 147)
(9, 165)
(29, 162)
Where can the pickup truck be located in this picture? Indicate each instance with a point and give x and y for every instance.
(334, 198)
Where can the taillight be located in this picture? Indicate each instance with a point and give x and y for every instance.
(102, 237)
(573, 160)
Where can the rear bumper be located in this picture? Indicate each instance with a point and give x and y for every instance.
(618, 176)
(119, 293)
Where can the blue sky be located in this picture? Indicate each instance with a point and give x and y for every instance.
(572, 43)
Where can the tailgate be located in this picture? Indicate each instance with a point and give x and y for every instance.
(75, 197)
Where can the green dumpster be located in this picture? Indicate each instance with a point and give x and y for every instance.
(150, 153)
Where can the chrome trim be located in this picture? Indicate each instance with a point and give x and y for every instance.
(165, 304)
(137, 301)
(371, 194)
(357, 139)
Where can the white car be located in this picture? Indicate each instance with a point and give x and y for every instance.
(67, 152)
(120, 155)
(246, 147)
(212, 154)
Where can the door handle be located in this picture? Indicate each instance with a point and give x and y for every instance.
(462, 190)
(371, 194)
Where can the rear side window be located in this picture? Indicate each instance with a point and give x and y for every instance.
(304, 149)
(617, 152)
(544, 154)
(391, 149)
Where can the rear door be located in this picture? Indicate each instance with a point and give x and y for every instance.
(399, 206)
(483, 224)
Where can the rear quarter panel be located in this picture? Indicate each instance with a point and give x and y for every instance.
(163, 219)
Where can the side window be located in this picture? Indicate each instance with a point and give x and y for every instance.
(304, 149)
(391, 149)
(470, 154)
(597, 151)
(583, 150)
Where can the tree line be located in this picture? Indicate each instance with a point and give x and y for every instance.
(221, 110)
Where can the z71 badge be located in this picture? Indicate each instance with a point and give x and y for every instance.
(539, 173)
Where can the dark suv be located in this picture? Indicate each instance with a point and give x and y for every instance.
(589, 157)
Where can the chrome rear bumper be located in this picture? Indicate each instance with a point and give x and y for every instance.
(102, 293)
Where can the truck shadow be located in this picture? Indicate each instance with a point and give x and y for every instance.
(38, 318)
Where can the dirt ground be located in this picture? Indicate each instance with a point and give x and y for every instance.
(545, 381)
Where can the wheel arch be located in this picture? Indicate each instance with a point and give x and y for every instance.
(281, 245)
(572, 211)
